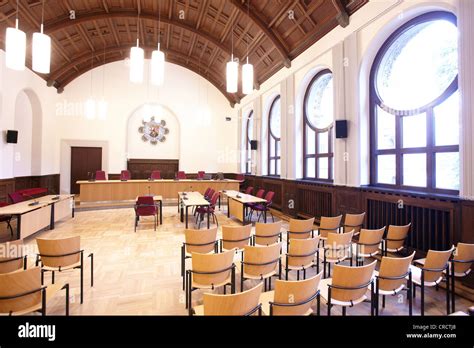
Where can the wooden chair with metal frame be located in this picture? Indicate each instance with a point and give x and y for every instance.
(260, 263)
(394, 276)
(461, 263)
(430, 274)
(59, 255)
(299, 229)
(337, 249)
(368, 244)
(328, 225)
(235, 238)
(267, 233)
(22, 292)
(6, 218)
(348, 287)
(395, 240)
(197, 241)
(209, 271)
(302, 255)
(14, 258)
(245, 303)
(292, 297)
(353, 222)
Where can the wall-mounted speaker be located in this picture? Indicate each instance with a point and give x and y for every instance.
(253, 145)
(341, 129)
(12, 136)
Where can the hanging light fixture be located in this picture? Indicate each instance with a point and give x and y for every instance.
(137, 59)
(158, 59)
(247, 68)
(232, 69)
(15, 46)
(103, 106)
(41, 49)
(90, 102)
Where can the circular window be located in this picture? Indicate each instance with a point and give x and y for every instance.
(319, 101)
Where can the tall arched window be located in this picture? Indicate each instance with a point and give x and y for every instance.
(274, 137)
(414, 107)
(249, 138)
(318, 125)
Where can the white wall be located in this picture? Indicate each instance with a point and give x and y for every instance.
(23, 124)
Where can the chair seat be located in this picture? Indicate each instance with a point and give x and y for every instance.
(208, 286)
(65, 268)
(387, 292)
(203, 210)
(308, 265)
(416, 277)
(331, 259)
(260, 207)
(324, 292)
(354, 251)
(456, 274)
(198, 310)
(267, 297)
(256, 277)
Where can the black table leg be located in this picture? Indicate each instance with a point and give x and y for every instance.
(186, 216)
(265, 215)
(228, 206)
(51, 223)
(18, 227)
(161, 212)
(208, 217)
(219, 200)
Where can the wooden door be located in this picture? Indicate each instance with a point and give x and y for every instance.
(84, 160)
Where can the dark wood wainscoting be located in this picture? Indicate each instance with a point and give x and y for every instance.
(50, 182)
(142, 168)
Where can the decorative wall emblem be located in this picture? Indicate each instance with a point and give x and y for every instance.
(153, 131)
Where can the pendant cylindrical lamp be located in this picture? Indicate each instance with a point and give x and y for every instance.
(247, 78)
(15, 47)
(41, 52)
(157, 67)
(232, 75)
(137, 61)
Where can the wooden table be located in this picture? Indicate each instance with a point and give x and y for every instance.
(191, 199)
(159, 200)
(237, 204)
(116, 190)
(36, 214)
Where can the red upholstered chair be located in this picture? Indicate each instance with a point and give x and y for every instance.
(201, 175)
(100, 175)
(240, 177)
(155, 175)
(6, 218)
(145, 206)
(206, 193)
(201, 211)
(249, 190)
(180, 175)
(16, 197)
(261, 208)
(125, 175)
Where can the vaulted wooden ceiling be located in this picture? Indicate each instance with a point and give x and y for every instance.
(196, 34)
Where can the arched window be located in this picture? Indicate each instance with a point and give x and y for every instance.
(249, 138)
(274, 137)
(414, 107)
(318, 124)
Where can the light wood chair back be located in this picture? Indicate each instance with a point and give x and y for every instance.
(267, 233)
(287, 292)
(370, 240)
(353, 222)
(351, 277)
(297, 225)
(436, 260)
(11, 256)
(17, 283)
(64, 246)
(329, 225)
(212, 263)
(236, 236)
(399, 234)
(301, 247)
(200, 241)
(261, 260)
(236, 304)
(394, 267)
(464, 252)
(338, 245)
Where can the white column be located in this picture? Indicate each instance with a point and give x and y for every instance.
(288, 142)
(340, 174)
(466, 86)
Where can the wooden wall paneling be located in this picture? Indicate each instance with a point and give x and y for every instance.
(142, 168)
(6, 186)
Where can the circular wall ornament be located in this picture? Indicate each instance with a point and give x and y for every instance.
(153, 131)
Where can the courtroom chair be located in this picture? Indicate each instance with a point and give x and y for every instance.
(260, 263)
(210, 209)
(242, 304)
(125, 175)
(14, 258)
(302, 254)
(393, 277)
(209, 271)
(461, 262)
(328, 225)
(206, 193)
(200, 175)
(58, 255)
(197, 241)
(430, 272)
(292, 297)
(368, 244)
(263, 208)
(22, 292)
(337, 249)
(395, 240)
(353, 222)
(145, 206)
(6, 218)
(299, 229)
(249, 190)
(260, 194)
(155, 175)
(235, 238)
(348, 287)
(100, 175)
(16, 197)
(241, 179)
(267, 233)
(180, 175)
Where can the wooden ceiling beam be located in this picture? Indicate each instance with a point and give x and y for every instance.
(342, 14)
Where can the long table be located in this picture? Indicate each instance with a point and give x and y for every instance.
(37, 214)
(116, 190)
(237, 204)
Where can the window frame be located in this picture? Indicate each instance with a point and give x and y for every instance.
(248, 151)
(271, 136)
(329, 130)
(431, 149)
